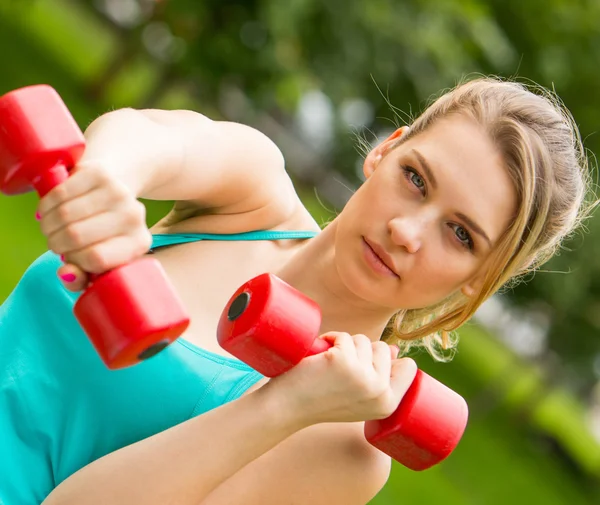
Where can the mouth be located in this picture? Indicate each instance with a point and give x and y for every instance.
(378, 259)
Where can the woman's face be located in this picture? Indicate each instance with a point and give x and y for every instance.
(433, 208)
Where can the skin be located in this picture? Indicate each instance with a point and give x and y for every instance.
(96, 222)
(398, 208)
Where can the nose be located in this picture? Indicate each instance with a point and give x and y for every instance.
(407, 232)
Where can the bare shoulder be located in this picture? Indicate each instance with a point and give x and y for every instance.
(322, 465)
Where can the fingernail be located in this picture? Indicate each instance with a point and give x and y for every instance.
(38, 216)
(62, 257)
(68, 277)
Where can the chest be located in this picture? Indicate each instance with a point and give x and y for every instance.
(207, 273)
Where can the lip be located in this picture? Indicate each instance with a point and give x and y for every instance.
(382, 256)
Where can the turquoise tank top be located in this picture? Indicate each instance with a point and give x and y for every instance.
(61, 408)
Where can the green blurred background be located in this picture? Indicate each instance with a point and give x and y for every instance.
(315, 76)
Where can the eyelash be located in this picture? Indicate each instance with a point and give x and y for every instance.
(408, 173)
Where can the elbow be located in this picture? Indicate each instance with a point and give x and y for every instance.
(112, 117)
(372, 471)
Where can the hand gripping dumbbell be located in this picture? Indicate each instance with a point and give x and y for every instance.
(271, 326)
(129, 313)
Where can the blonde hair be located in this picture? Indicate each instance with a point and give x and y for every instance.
(542, 150)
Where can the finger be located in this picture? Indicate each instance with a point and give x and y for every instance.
(72, 277)
(364, 349)
(72, 211)
(340, 341)
(83, 234)
(319, 346)
(78, 184)
(382, 359)
(402, 376)
(394, 350)
(116, 251)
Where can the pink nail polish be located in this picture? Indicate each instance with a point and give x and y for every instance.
(62, 258)
(38, 216)
(68, 277)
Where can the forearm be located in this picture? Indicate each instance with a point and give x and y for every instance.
(184, 156)
(184, 464)
(141, 153)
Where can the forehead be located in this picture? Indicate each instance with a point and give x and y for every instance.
(470, 171)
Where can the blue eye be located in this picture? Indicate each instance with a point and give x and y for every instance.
(463, 236)
(415, 178)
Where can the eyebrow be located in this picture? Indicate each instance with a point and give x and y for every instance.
(475, 227)
(429, 173)
(426, 168)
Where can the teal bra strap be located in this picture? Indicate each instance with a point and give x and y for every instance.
(160, 239)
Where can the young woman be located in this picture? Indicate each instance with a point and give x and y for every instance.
(482, 187)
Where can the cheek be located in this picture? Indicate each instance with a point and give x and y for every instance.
(436, 278)
(358, 201)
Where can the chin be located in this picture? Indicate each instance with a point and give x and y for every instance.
(356, 275)
(356, 280)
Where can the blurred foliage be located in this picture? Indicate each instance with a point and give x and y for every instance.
(388, 59)
(368, 65)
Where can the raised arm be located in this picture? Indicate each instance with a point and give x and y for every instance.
(183, 155)
(94, 218)
(188, 462)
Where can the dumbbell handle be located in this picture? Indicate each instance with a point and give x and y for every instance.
(419, 412)
(318, 346)
(47, 180)
(57, 172)
(271, 326)
(129, 313)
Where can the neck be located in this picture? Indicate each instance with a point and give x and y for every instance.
(312, 270)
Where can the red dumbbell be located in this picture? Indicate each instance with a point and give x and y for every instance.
(129, 313)
(271, 326)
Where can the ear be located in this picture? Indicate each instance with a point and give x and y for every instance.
(473, 286)
(374, 157)
(469, 290)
